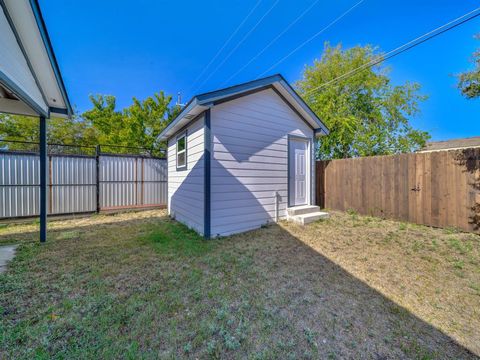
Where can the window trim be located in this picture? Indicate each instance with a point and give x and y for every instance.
(181, 135)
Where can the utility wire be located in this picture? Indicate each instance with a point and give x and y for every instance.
(310, 39)
(240, 43)
(407, 46)
(273, 41)
(226, 42)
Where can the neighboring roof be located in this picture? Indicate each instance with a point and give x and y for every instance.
(452, 144)
(200, 103)
(30, 79)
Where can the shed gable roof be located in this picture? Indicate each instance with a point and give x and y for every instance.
(201, 102)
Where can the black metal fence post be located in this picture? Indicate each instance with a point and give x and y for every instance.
(43, 179)
(97, 178)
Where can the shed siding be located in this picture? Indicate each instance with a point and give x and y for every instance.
(186, 187)
(249, 160)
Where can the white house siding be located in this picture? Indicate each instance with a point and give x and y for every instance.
(186, 187)
(249, 160)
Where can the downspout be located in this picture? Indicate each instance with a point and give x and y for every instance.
(275, 194)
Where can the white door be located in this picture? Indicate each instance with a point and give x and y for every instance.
(298, 171)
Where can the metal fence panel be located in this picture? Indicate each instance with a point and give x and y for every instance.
(72, 184)
(129, 182)
(19, 185)
(124, 182)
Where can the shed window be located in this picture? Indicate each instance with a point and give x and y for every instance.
(182, 151)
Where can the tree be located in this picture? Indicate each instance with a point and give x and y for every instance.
(365, 113)
(109, 123)
(149, 117)
(469, 82)
(137, 126)
(60, 130)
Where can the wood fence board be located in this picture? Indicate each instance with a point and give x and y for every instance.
(439, 188)
(461, 191)
(389, 173)
(451, 186)
(346, 180)
(473, 184)
(412, 188)
(442, 186)
(402, 176)
(377, 179)
(477, 180)
(420, 183)
(427, 195)
(435, 188)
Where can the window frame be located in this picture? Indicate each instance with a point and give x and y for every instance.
(184, 151)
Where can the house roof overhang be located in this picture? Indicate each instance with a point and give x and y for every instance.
(30, 79)
(200, 103)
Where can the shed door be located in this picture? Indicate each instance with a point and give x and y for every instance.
(298, 169)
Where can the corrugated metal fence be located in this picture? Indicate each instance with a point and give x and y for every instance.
(129, 182)
(79, 183)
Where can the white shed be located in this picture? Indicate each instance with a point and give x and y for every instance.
(241, 157)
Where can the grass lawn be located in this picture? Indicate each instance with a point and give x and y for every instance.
(138, 285)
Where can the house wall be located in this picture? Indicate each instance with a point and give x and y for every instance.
(249, 160)
(186, 187)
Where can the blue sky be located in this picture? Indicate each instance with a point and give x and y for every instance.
(128, 49)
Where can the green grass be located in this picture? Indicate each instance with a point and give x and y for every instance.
(141, 286)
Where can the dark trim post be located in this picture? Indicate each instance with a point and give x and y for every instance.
(43, 179)
(207, 173)
(97, 176)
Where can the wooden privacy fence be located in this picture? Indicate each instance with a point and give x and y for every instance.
(439, 188)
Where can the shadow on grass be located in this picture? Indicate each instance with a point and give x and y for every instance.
(261, 294)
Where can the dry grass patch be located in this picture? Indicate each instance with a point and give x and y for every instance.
(138, 285)
(432, 273)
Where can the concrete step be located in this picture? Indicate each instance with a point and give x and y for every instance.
(304, 219)
(303, 209)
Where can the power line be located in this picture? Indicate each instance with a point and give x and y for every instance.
(310, 39)
(407, 46)
(239, 43)
(273, 41)
(226, 42)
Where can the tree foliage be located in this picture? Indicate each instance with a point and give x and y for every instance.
(60, 131)
(469, 81)
(365, 113)
(138, 125)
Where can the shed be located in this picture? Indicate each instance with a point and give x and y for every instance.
(242, 157)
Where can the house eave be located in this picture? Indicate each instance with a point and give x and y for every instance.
(67, 111)
(48, 95)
